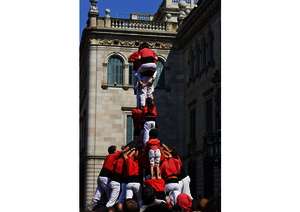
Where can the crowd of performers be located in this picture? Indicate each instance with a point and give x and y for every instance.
(146, 162)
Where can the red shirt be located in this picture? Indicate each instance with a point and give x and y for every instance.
(135, 59)
(153, 143)
(132, 167)
(145, 52)
(137, 116)
(150, 112)
(119, 166)
(110, 159)
(170, 167)
(157, 184)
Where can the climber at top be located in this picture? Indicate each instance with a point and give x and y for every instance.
(144, 65)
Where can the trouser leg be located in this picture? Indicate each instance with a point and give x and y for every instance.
(123, 193)
(173, 190)
(148, 125)
(129, 191)
(102, 188)
(186, 186)
(114, 194)
(138, 193)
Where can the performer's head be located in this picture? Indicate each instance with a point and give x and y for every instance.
(131, 206)
(111, 149)
(153, 133)
(144, 45)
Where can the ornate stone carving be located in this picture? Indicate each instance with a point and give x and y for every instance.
(130, 43)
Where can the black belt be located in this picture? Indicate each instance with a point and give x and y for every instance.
(172, 180)
(150, 119)
(116, 177)
(105, 173)
(133, 179)
(147, 60)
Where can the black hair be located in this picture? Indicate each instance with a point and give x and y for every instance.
(131, 206)
(111, 149)
(144, 45)
(153, 133)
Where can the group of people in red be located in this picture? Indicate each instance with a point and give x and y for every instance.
(146, 164)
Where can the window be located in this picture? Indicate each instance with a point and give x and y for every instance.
(115, 71)
(129, 129)
(193, 125)
(160, 77)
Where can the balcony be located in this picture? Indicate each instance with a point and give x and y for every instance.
(118, 23)
(134, 25)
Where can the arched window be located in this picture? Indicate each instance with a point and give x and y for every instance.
(160, 77)
(115, 70)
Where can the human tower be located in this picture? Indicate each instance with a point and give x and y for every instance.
(146, 161)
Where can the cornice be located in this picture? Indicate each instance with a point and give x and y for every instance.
(130, 43)
(134, 33)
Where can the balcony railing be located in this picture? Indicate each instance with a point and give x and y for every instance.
(137, 24)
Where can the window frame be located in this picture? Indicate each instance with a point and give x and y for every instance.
(122, 72)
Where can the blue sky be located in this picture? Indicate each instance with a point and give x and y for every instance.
(119, 8)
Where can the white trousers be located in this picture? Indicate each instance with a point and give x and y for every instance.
(154, 156)
(143, 93)
(184, 186)
(173, 190)
(114, 193)
(147, 66)
(122, 196)
(134, 188)
(102, 188)
(148, 125)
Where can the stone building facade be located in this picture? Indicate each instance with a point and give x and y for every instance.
(182, 93)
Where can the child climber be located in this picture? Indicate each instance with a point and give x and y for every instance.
(149, 114)
(146, 73)
(153, 148)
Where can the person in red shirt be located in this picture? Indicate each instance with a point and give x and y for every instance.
(184, 202)
(170, 171)
(133, 175)
(103, 180)
(146, 74)
(138, 123)
(134, 58)
(150, 114)
(120, 172)
(153, 148)
(159, 187)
